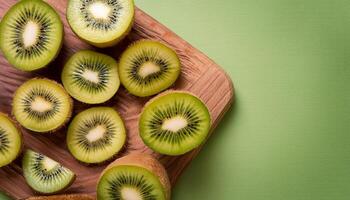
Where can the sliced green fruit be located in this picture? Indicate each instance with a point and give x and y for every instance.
(31, 35)
(174, 123)
(91, 77)
(10, 141)
(148, 67)
(102, 23)
(96, 135)
(41, 105)
(134, 177)
(45, 175)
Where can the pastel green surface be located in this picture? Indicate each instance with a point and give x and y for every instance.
(287, 136)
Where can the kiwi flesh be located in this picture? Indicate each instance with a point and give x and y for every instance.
(148, 67)
(64, 197)
(4, 196)
(31, 35)
(41, 105)
(96, 135)
(10, 140)
(174, 123)
(45, 175)
(134, 177)
(91, 77)
(102, 23)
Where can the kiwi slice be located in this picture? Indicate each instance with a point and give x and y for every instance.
(10, 141)
(102, 23)
(96, 135)
(31, 35)
(174, 123)
(91, 77)
(134, 177)
(45, 175)
(148, 67)
(41, 105)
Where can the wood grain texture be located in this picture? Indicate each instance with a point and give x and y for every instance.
(200, 75)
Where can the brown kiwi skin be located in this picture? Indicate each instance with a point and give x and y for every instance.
(15, 123)
(64, 197)
(71, 103)
(147, 162)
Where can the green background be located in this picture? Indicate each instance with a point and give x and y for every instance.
(288, 135)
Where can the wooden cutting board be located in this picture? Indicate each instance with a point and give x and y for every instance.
(200, 75)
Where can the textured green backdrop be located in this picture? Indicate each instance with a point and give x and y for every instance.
(288, 135)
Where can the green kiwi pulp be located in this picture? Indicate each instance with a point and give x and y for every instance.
(45, 175)
(4, 196)
(148, 67)
(96, 135)
(91, 77)
(174, 123)
(134, 177)
(102, 23)
(10, 141)
(31, 35)
(41, 105)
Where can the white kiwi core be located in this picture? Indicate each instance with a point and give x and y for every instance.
(100, 10)
(41, 105)
(91, 76)
(96, 133)
(129, 193)
(30, 34)
(174, 124)
(147, 69)
(49, 164)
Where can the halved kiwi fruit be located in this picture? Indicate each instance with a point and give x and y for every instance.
(148, 67)
(31, 35)
(174, 123)
(102, 23)
(10, 140)
(41, 105)
(96, 135)
(45, 175)
(91, 77)
(134, 177)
